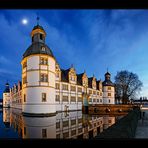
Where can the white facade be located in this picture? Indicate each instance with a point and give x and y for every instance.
(6, 99)
(47, 89)
(34, 88)
(108, 95)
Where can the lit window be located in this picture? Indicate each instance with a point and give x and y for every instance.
(79, 89)
(43, 97)
(73, 88)
(44, 133)
(44, 77)
(43, 61)
(24, 98)
(65, 87)
(57, 98)
(109, 94)
(73, 99)
(109, 88)
(65, 98)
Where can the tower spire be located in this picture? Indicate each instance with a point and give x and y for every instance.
(37, 20)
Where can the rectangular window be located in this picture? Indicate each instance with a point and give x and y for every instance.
(73, 122)
(24, 98)
(65, 87)
(57, 125)
(79, 99)
(109, 94)
(73, 99)
(100, 94)
(44, 97)
(65, 123)
(57, 86)
(44, 133)
(94, 92)
(109, 88)
(73, 132)
(80, 120)
(109, 100)
(94, 100)
(41, 36)
(73, 88)
(90, 91)
(43, 77)
(90, 100)
(66, 135)
(43, 61)
(57, 98)
(65, 98)
(79, 89)
(97, 93)
(100, 100)
(24, 80)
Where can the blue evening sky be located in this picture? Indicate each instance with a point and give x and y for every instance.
(91, 40)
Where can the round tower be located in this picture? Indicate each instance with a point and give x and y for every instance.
(38, 76)
(6, 96)
(108, 90)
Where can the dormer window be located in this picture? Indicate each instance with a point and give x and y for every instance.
(41, 36)
(43, 48)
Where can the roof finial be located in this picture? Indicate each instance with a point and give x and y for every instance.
(72, 66)
(84, 71)
(107, 69)
(37, 19)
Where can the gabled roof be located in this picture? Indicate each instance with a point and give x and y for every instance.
(90, 82)
(64, 75)
(79, 78)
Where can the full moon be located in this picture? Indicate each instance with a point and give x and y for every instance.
(24, 21)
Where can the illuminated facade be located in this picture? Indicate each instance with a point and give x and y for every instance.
(46, 88)
(61, 126)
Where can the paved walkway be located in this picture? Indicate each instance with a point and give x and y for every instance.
(142, 127)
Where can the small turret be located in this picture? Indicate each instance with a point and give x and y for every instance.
(6, 96)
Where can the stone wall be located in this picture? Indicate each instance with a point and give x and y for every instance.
(124, 128)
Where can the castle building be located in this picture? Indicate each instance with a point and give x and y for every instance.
(46, 88)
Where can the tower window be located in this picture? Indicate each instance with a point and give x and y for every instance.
(41, 36)
(44, 77)
(44, 133)
(24, 98)
(109, 100)
(44, 97)
(43, 61)
(109, 94)
(109, 88)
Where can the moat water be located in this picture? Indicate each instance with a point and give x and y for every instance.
(70, 125)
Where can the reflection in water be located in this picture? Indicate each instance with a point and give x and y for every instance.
(63, 125)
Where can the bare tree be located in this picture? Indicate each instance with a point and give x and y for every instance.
(127, 85)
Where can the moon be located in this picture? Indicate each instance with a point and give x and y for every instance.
(24, 21)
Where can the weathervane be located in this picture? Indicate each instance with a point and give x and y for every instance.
(37, 20)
